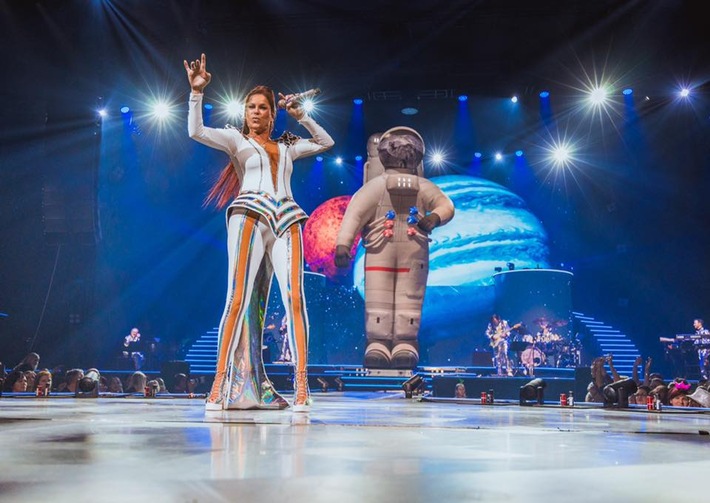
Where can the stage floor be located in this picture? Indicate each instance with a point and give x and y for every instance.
(352, 446)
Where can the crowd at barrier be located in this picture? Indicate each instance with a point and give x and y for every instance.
(676, 392)
(28, 377)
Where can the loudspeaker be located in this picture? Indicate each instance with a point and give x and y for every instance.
(70, 178)
(482, 359)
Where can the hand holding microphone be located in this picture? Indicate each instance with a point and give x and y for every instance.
(297, 99)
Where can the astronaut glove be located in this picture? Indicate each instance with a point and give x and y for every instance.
(428, 223)
(342, 256)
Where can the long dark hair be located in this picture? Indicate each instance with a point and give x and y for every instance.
(227, 184)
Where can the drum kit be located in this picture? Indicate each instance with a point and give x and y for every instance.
(546, 347)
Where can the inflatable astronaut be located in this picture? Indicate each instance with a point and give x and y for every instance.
(395, 209)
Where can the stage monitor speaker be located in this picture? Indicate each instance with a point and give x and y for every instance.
(482, 359)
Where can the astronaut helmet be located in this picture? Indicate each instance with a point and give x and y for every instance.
(401, 147)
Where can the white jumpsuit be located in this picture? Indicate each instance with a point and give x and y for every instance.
(263, 239)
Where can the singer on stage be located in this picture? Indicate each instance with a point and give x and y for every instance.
(263, 239)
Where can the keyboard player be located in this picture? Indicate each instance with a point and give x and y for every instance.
(703, 343)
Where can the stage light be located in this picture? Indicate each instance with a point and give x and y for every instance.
(519, 153)
(309, 105)
(463, 97)
(534, 390)
(618, 392)
(498, 269)
(319, 158)
(477, 155)
(413, 385)
(514, 99)
(684, 93)
(339, 160)
(498, 156)
(323, 384)
(161, 110)
(410, 111)
(598, 96)
(358, 158)
(627, 92)
(125, 110)
(234, 109)
(545, 94)
(339, 383)
(103, 112)
(510, 266)
(88, 386)
(357, 101)
(208, 106)
(437, 158)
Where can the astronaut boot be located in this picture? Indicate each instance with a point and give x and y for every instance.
(377, 356)
(215, 400)
(405, 356)
(301, 394)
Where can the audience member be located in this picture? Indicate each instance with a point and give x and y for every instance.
(700, 397)
(31, 376)
(600, 378)
(71, 380)
(678, 391)
(115, 385)
(29, 362)
(44, 380)
(15, 382)
(136, 382)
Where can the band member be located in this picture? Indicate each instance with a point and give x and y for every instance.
(131, 345)
(263, 239)
(704, 350)
(285, 350)
(498, 332)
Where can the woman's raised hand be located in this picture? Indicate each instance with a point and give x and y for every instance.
(293, 107)
(197, 74)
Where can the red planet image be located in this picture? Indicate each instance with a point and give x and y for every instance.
(320, 233)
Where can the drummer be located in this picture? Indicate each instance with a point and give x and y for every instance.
(547, 340)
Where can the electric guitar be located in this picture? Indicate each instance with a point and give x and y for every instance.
(502, 333)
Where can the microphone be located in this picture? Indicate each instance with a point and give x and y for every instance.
(299, 98)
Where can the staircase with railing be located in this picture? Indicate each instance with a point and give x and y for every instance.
(610, 341)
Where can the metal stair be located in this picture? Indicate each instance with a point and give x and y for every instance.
(611, 341)
(202, 355)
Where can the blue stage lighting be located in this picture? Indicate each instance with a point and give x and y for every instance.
(545, 94)
(477, 155)
(463, 97)
(319, 158)
(498, 156)
(208, 106)
(125, 110)
(102, 112)
(338, 160)
(410, 111)
(357, 101)
(358, 158)
(627, 92)
(519, 153)
(685, 92)
(514, 99)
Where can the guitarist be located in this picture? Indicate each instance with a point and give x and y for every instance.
(498, 332)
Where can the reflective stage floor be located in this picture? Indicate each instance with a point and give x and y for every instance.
(352, 446)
